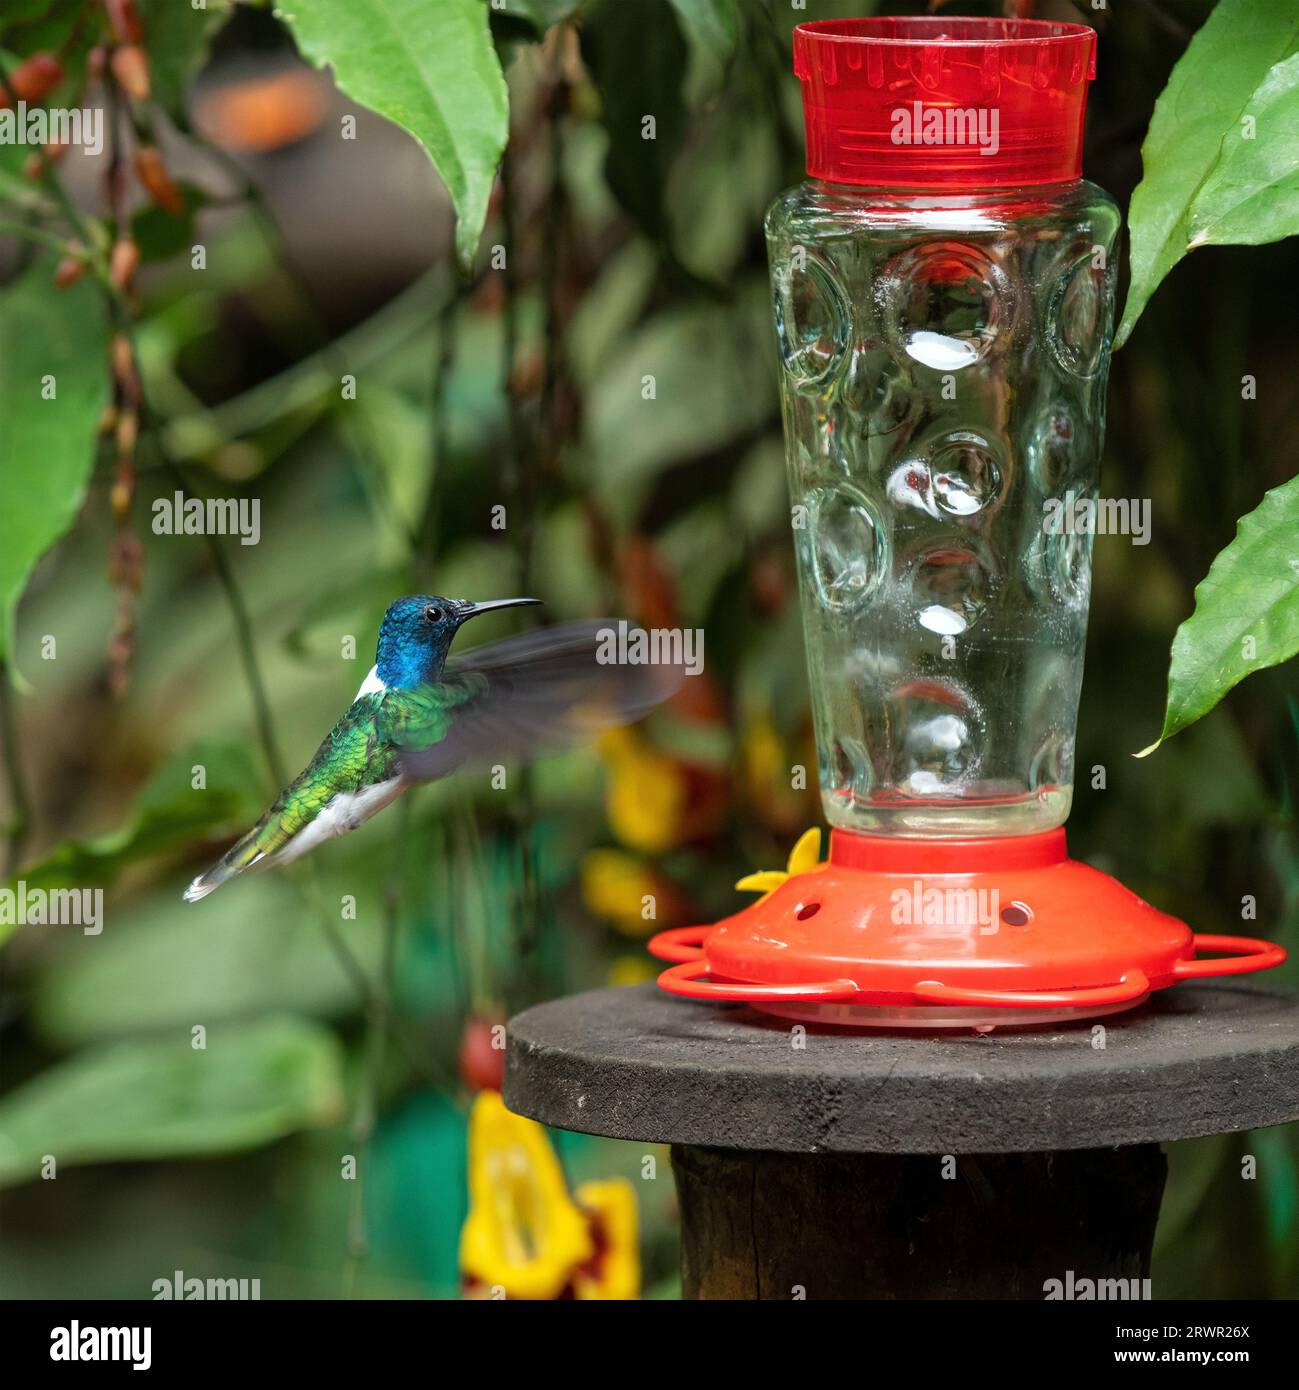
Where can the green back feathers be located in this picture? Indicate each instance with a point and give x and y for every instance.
(422, 717)
(361, 751)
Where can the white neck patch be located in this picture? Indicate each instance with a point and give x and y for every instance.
(371, 685)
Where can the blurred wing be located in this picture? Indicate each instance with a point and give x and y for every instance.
(519, 698)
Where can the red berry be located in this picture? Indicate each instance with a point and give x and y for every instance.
(482, 1061)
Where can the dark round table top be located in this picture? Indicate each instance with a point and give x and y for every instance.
(636, 1063)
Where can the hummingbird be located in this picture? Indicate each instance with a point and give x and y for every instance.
(421, 714)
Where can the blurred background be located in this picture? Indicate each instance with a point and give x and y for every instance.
(520, 387)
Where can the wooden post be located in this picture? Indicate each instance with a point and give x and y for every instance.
(818, 1226)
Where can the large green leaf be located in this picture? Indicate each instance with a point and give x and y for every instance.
(50, 340)
(430, 67)
(1252, 193)
(1246, 612)
(1221, 158)
(251, 1084)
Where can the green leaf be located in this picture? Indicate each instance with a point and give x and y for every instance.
(1252, 194)
(1209, 178)
(430, 67)
(1246, 612)
(170, 814)
(253, 1083)
(177, 38)
(47, 447)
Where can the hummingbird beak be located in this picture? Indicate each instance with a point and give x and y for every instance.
(473, 610)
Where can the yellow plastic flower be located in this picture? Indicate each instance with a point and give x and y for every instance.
(614, 1272)
(803, 858)
(523, 1233)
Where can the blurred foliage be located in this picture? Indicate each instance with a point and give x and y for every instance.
(159, 1098)
(166, 815)
(605, 258)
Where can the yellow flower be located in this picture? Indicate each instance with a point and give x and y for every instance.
(766, 757)
(523, 1233)
(646, 798)
(614, 1272)
(803, 858)
(633, 970)
(615, 886)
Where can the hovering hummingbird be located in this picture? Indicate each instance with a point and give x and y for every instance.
(419, 716)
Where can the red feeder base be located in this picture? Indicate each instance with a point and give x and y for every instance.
(898, 933)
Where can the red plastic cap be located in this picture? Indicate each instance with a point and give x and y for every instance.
(944, 103)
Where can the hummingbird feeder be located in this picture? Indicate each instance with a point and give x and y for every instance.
(944, 293)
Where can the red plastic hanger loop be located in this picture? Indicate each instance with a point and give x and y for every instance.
(1242, 954)
(685, 979)
(1132, 986)
(678, 943)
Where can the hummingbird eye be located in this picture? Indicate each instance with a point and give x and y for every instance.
(432, 614)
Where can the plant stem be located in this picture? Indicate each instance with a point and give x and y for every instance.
(426, 532)
(243, 640)
(19, 805)
(35, 234)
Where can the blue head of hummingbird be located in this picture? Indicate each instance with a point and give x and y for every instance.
(422, 713)
(416, 635)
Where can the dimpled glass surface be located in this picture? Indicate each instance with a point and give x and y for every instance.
(943, 368)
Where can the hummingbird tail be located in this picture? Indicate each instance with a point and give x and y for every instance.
(243, 854)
